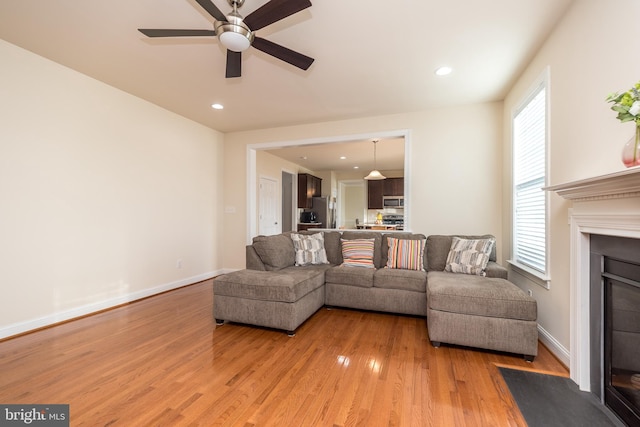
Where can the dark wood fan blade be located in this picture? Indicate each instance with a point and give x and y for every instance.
(287, 55)
(273, 11)
(212, 9)
(150, 32)
(234, 64)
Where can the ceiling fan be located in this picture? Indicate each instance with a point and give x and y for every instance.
(236, 33)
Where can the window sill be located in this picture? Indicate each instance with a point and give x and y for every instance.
(535, 276)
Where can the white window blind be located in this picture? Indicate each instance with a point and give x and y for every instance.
(529, 176)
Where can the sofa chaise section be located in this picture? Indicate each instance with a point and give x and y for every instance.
(281, 299)
(476, 311)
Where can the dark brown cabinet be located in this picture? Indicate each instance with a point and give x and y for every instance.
(374, 194)
(376, 190)
(393, 187)
(309, 186)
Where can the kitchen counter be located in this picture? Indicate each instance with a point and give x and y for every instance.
(302, 226)
(367, 226)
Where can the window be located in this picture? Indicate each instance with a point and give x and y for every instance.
(529, 176)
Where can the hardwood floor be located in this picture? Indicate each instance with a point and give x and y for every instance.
(163, 362)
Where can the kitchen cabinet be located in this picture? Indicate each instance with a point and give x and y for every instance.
(393, 187)
(309, 186)
(385, 187)
(374, 194)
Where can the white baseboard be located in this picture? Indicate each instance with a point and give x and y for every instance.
(554, 346)
(30, 325)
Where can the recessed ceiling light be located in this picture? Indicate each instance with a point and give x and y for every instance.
(343, 158)
(217, 106)
(443, 71)
(356, 167)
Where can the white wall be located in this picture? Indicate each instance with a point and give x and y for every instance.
(455, 164)
(101, 193)
(592, 52)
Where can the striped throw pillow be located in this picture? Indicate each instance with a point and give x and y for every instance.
(469, 256)
(357, 253)
(405, 254)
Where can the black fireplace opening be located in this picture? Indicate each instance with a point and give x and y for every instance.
(617, 287)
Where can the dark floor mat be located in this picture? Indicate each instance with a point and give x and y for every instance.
(547, 400)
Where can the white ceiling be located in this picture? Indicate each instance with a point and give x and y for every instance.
(372, 57)
(327, 157)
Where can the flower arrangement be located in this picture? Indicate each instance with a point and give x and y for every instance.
(627, 105)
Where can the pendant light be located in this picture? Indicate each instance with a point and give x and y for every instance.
(375, 173)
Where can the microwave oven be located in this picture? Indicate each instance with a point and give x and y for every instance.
(393, 202)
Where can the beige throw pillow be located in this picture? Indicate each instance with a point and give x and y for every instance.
(469, 256)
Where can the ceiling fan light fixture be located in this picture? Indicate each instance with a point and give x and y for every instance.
(234, 35)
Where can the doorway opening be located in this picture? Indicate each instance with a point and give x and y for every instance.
(252, 182)
(287, 201)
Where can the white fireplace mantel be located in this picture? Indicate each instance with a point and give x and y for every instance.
(607, 205)
(622, 184)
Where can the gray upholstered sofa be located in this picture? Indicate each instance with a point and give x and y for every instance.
(487, 312)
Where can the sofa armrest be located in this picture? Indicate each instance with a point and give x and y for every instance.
(496, 270)
(253, 261)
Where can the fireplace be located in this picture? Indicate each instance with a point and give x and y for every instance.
(607, 205)
(615, 324)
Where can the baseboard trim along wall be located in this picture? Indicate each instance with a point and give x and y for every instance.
(42, 322)
(554, 346)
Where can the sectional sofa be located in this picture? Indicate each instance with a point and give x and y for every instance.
(463, 291)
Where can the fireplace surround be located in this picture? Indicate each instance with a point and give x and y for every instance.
(607, 205)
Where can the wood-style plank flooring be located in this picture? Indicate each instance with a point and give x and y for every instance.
(163, 362)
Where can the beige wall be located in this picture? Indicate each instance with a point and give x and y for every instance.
(455, 157)
(354, 201)
(270, 166)
(591, 53)
(101, 193)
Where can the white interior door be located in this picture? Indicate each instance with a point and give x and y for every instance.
(268, 223)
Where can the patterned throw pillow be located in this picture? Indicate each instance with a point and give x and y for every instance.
(469, 256)
(309, 249)
(358, 253)
(405, 254)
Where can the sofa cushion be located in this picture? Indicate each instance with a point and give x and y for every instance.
(362, 277)
(377, 247)
(285, 285)
(478, 296)
(406, 280)
(358, 253)
(438, 247)
(276, 252)
(469, 256)
(405, 254)
(309, 249)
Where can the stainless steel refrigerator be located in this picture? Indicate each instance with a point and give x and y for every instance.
(325, 210)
